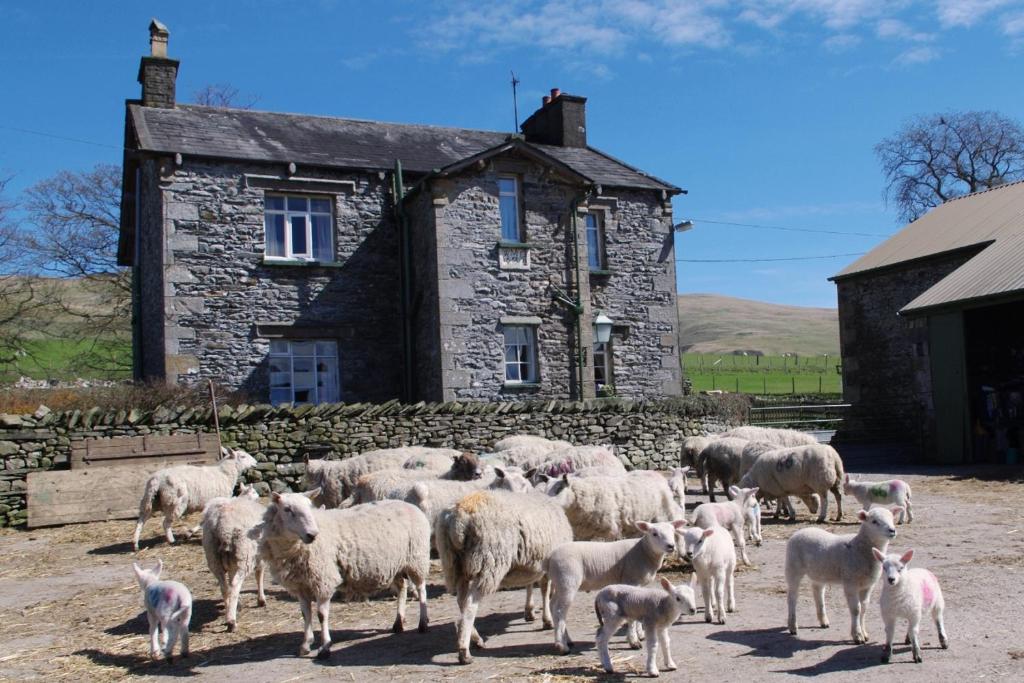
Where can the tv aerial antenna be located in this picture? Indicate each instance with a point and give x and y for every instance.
(515, 101)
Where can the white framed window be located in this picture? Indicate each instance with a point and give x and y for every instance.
(520, 354)
(304, 371)
(299, 227)
(508, 204)
(602, 364)
(595, 241)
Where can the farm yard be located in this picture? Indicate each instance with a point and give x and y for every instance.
(764, 375)
(70, 610)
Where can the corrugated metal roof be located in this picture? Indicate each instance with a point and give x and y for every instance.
(973, 219)
(347, 143)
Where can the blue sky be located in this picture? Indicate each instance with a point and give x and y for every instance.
(766, 111)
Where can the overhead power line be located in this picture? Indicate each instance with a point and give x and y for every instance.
(762, 260)
(790, 229)
(60, 137)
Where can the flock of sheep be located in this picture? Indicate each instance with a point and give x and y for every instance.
(537, 513)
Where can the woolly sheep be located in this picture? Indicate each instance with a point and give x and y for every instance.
(691, 447)
(713, 557)
(720, 461)
(555, 463)
(496, 539)
(168, 608)
(801, 470)
(909, 594)
(529, 440)
(361, 550)
(780, 437)
(731, 515)
(603, 508)
(751, 453)
(588, 565)
(888, 492)
(849, 560)
(655, 609)
(179, 490)
(231, 545)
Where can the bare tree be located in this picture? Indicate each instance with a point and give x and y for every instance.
(20, 295)
(935, 158)
(223, 95)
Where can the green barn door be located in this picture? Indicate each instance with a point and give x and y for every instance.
(949, 387)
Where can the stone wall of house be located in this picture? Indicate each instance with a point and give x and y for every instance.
(886, 362)
(645, 434)
(224, 301)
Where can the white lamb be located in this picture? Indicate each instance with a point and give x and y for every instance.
(179, 490)
(360, 551)
(588, 565)
(802, 471)
(731, 515)
(655, 609)
(529, 440)
(231, 545)
(910, 594)
(603, 508)
(496, 539)
(888, 492)
(168, 608)
(713, 557)
(849, 560)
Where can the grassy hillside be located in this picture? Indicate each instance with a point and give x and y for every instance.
(713, 324)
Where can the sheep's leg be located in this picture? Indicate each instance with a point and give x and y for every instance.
(612, 622)
(168, 522)
(528, 609)
(666, 648)
(421, 594)
(940, 625)
(545, 602)
(915, 643)
(910, 514)
(154, 636)
(143, 516)
(183, 625)
(400, 589)
(853, 602)
(818, 591)
(307, 625)
(468, 605)
(560, 608)
(634, 634)
(719, 587)
(652, 650)
(823, 509)
(741, 543)
(890, 634)
(231, 604)
(711, 488)
(261, 598)
(170, 639)
(323, 611)
(730, 580)
(708, 596)
(865, 600)
(837, 492)
(792, 593)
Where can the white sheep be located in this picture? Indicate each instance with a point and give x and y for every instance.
(909, 594)
(720, 461)
(496, 539)
(849, 560)
(691, 447)
(360, 551)
(231, 545)
(655, 609)
(780, 437)
(168, 608)
(731, 515)
(556, 462)
(529, 440)
(588, 565)
(179, 490)
(713, 557)
(888, 492)
(603, 508)
(801, 470)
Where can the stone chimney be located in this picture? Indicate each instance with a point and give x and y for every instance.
(561, 120)
(157, 73)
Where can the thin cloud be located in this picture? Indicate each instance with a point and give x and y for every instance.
(917, 55)
(842, 42)
(966, 13)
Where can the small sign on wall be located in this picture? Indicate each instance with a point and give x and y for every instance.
(513, 257)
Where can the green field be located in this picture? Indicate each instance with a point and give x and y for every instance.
(62, 359)
(817, 374)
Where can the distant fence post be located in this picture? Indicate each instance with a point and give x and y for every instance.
(764, 385)
(737, 384)
(793, 379)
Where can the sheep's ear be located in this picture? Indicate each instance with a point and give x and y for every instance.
(275, 496)
(305, 458)
(565, 478)
(158, 568)
(542, 478)
(666, 584)
(457, 459)
(679, 523)
(907, 556)
(137, 569)
(642, 526)
(312, 493)
(734, 491)
(500, 472)
(753, 491)
(878, 554)
(862, 515)
(896, 509)
(708, 532)
(531, 473)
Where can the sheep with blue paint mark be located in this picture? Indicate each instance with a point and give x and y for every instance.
(169, 610)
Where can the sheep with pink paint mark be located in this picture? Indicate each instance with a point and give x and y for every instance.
(910, 594)
(169, 610)
(888, 492)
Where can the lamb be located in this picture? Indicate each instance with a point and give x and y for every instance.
(720, 461)
(179, 490)
(231, 545)
(361, 551)
(529, 440)
(655, 609)
(731, 515)
(909, 594)
(169, 610)
(780, 437)
(587, 566)
(888, 492)
(496, 539)
(603, 508)
(713, 557)
(801, 470)
(848, 560)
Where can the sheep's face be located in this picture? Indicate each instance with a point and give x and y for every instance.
(294, 514)
(691, 542)
(879, 523)
(683, 596)
(466, 467)
(244, 460)
(893, 566)
(509, 479)
(248, 492)
(660, 537)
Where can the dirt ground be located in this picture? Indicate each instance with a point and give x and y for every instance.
(70, 610)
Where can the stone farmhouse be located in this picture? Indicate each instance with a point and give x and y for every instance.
(309, 259)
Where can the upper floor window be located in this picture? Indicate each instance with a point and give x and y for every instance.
(299, 227)
(595, 241)
(508, 203)
(303, 371)
(520, 354)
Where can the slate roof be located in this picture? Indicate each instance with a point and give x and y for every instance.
(348, 143)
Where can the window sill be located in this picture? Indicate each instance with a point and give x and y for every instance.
(601, 272)
(512, 244)
(301, 263)
(521, 385)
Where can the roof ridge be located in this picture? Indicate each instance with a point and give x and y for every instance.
(987, 189)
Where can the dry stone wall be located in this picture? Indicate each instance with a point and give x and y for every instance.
(646, 434)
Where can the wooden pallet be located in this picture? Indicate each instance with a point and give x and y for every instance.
(149, 450)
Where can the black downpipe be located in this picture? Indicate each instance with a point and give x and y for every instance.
(405, 259)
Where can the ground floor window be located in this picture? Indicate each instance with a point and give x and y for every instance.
(520, 354)
(304, 371)
(602, 364)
